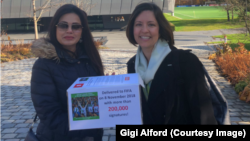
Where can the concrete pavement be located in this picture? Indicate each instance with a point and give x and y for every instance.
(199, 37)
(117, 37)
(17, 111)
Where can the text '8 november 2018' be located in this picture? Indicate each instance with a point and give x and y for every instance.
(135, 132)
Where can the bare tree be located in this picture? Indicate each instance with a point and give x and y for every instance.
(85, 5)
(45, 7)
(229, 6)
(233, 7)
(242, 6)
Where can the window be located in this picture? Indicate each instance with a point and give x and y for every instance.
(117, 19)
(20, 24)
(3, 25)
(11, 24)
(99, 26)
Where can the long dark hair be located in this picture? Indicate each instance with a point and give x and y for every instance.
(165, 30)
(87, 44)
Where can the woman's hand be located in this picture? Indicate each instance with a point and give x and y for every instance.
(111, 74)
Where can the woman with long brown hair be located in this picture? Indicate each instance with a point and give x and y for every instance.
(165, 99)
(66, 54)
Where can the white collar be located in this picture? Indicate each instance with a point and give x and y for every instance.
(160, 51)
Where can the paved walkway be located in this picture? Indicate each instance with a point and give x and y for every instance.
(119, 37)
(17, 111)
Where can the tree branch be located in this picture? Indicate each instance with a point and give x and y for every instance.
(45, 7)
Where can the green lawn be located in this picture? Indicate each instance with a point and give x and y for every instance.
(211, 12)
(206, 18)
(233, 39)
(201, 24)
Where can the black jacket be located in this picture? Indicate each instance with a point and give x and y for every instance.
(173, 102)
(52, 74)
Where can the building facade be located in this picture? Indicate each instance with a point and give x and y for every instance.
(103, 14)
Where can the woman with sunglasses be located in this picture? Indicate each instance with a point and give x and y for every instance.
(67, 53)
(165, 99)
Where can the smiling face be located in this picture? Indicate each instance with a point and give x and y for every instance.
(146, 30)
(69, 37)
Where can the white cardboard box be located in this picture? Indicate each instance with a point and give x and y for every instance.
(105, 101)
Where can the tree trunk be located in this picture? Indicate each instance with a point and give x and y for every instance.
(35, 21)
(247, 26)
(35, 28)
(232, 14)
(228, 16)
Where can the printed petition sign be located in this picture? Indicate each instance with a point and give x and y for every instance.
(104, 101)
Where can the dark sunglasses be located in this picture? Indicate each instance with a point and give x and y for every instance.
(65, 26)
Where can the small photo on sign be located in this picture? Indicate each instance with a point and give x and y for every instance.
(83, 79)
(85, 106)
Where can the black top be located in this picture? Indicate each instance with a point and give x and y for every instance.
(171, 101)
(49, 82)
